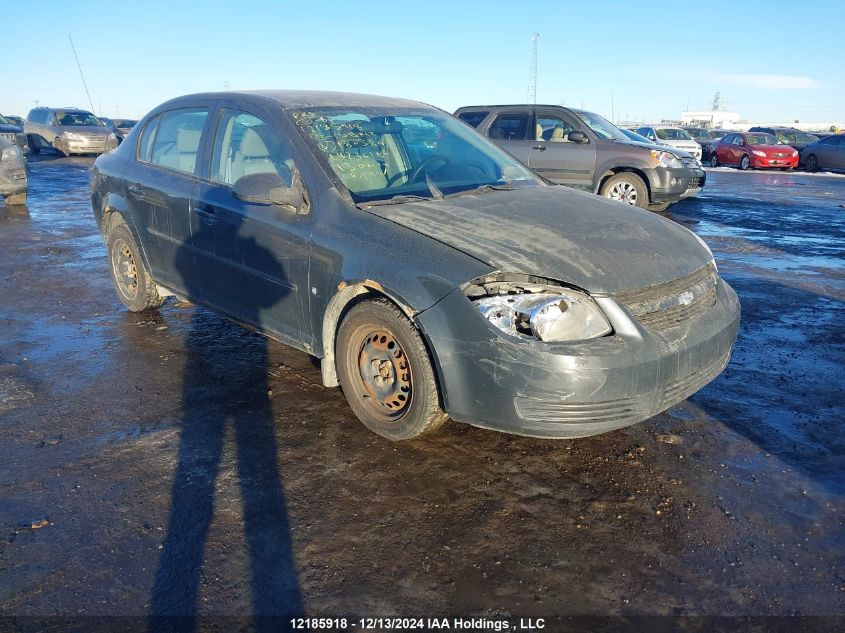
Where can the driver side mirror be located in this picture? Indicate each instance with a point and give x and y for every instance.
(270, 189)
(576, 136)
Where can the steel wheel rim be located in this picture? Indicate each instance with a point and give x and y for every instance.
(385, 381)
(623, 192)
(124, 269)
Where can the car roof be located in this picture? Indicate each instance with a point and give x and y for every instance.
(310, 98)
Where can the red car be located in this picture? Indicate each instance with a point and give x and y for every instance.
(757, 150)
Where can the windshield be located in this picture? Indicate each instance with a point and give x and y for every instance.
(672, 133)
(5, 121)
(701, 135)
(379, 154)
(761, 139)
(125, 123)
(601, 126)
(77, 118)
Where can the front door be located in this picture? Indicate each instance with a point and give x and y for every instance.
(254, 257)
(510, 131)
(558, 158)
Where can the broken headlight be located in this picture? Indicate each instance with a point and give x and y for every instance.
(544, 313)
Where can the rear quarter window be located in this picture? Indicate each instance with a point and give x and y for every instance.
(145, 145)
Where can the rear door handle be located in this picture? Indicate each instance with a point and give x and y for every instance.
(206, 212)
(541, 148)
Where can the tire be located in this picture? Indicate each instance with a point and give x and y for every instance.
(659, 206)
(744, 162)
(34, 148)
(132, 280)
(812, 163)
(714, 160)
(626, 187)
(401, 400)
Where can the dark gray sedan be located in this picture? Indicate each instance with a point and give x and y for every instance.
(432, 274)
(827, 153)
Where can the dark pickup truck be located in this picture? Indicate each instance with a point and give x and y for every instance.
(584, 150)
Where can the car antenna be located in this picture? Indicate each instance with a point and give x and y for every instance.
(79, 66)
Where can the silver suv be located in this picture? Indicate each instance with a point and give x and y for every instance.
(68, 131)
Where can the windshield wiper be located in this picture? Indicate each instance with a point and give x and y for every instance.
(481, 188)
(400, 199)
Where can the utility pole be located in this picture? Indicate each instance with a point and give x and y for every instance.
(532, 70)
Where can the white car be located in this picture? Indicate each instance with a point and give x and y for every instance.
(674, 136)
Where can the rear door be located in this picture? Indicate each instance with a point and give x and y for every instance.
(254, 257)
(510, 130)
(159, 186)
(556, 157)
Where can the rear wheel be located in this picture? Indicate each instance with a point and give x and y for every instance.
(133, 282)
(626, 187)
(812, 163)
(744, 162)
(386, 374)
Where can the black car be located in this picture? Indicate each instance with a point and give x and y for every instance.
(431, 273)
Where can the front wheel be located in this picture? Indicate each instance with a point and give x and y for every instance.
(34, 147)
(714, 160)
(386, 374)
(628, 188)
(812, 163)
(132, 280)
(744, 163)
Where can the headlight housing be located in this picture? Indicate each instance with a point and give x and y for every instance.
(10, 152)
(666, 159)
(112, 137)
(757, 152)
(537, 311)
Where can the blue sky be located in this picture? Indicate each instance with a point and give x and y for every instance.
(774, 60)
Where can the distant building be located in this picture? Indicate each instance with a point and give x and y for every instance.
(712, 119)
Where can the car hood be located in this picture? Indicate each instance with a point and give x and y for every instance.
(602, 246)
(678, 142)
(10, 129)
(780, 149)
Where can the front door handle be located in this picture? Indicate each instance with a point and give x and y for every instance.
(541, 148)
(136, 190)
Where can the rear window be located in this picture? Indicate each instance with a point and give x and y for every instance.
(473, 118)
(145, 147)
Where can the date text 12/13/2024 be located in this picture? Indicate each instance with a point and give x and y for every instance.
(419, 624)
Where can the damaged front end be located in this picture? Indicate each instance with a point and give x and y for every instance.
(542, 309)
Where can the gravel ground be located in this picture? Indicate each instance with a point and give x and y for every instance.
(178, 464)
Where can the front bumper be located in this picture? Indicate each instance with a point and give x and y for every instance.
(13, 180)
(558, 390)
(671, 185)
(758, 162)
(85, 146)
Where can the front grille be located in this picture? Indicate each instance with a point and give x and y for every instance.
(695, 183)
(675, 302)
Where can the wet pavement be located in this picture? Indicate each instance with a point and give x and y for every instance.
(175, 463)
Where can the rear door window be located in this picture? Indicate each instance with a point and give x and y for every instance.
(510, 127)
(177, 139)
(473, 118)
